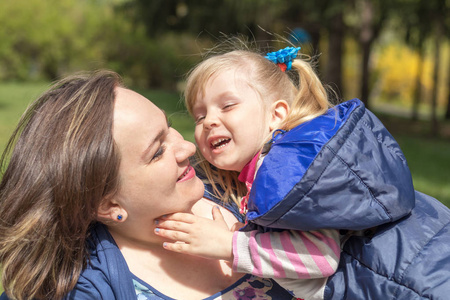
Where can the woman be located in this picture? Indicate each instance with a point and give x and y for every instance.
(93, 167)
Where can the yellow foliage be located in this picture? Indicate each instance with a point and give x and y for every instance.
(397, 66)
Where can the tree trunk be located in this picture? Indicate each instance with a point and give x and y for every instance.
(333, 75)
(365, 74)
(418, 88)
(314, 32)
(434, 96)
(447, 112)
(366, 38)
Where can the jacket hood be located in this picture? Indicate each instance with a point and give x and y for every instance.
(341, 170)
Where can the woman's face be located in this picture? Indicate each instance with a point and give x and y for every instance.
(155, 175)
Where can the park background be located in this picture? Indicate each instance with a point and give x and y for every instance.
(392, 54)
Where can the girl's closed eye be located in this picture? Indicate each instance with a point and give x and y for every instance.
(228, 106)
(199, 119)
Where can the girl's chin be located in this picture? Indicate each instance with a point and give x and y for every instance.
(228, 167)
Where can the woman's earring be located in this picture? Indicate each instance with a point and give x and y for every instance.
(119, 217)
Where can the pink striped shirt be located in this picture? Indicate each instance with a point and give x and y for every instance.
(300, 261)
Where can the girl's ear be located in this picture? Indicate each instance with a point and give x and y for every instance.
(279, 110)
(109, 210)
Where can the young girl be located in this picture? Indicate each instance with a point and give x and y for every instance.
(238, 99)
(339, 168)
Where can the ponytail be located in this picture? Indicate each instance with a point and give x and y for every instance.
(311, 99)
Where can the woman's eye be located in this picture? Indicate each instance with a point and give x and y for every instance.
(158, 153)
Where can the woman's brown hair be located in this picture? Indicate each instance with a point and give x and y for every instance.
(63, 162)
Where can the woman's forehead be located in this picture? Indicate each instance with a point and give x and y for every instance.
(133, 109)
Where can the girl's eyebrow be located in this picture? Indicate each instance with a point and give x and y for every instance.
(226, 94)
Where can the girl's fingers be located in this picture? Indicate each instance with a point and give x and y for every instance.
(173, 225)
(172, 235)
(217, 214)
(176, 247)
(236, 226)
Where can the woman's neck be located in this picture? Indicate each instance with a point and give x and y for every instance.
(177, 275)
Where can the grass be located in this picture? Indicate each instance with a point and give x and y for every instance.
(14, 99)
(428, 157)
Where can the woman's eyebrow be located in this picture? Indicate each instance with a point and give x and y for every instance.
(152, 142)
(156, 138)
(169, 124)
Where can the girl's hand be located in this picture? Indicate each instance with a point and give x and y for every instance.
(196, 235)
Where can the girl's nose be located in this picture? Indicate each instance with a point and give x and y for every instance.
(210, 121)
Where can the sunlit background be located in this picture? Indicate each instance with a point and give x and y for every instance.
(392, 54)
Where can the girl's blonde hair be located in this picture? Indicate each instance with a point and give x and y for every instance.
(62, 166)
(300, 87)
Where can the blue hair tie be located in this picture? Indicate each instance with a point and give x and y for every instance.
(283, 58)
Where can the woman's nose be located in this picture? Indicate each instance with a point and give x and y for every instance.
(183, 149)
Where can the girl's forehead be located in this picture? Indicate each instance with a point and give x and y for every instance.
(236, 74)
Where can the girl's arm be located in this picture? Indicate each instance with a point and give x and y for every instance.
(285, 254)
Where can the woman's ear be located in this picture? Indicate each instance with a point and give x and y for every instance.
(279, 110)
(109, 210)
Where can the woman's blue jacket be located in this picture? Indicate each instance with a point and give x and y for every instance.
(344, 170)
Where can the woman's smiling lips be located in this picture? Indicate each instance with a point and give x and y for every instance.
(189, 173)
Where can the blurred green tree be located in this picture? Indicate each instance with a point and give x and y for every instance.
(195, 16)
(47, 38)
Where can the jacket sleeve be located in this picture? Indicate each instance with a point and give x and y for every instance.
(287, 254)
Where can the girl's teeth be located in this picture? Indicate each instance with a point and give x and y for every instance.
(220, 143)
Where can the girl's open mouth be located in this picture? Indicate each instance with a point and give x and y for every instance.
(220, 143)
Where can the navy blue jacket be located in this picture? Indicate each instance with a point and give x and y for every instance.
(344, 170)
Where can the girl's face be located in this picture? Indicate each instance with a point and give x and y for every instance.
(231, 121)
(155, 175)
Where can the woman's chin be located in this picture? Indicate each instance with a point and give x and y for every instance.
(198, 190)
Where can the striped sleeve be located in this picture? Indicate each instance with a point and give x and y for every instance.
(287, 254)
